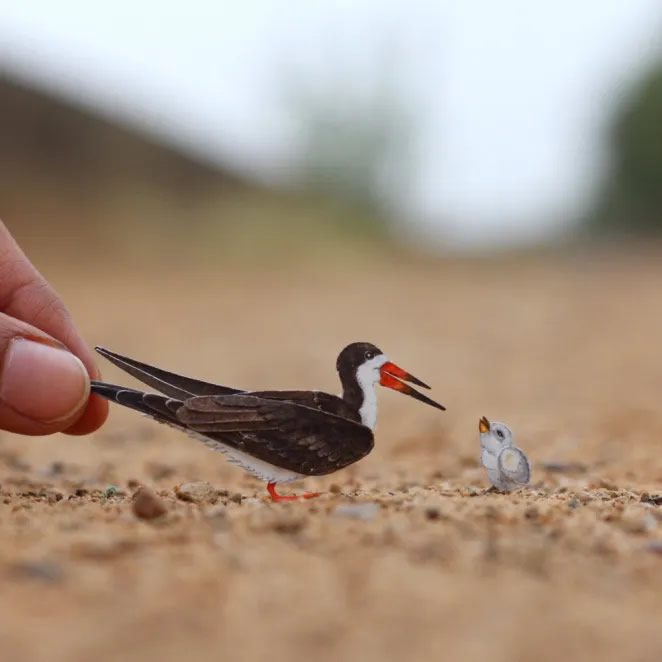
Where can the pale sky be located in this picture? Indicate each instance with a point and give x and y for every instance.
(510, 97)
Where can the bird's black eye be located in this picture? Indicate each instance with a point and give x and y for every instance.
(499, 433)
(369, 355)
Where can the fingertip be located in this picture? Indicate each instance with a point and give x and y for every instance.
(42, 382)
(96, 411)
(92, 367)
(92, 418)
(78, 347)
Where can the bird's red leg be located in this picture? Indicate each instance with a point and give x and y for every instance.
(271, 488)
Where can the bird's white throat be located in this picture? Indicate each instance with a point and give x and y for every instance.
(367, 376)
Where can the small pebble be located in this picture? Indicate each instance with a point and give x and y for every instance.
(53, 469)
(146, 505)
(289, 526)
(432, 513)
(654, 499)
(196, 492)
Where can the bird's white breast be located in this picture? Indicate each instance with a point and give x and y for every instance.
(368, 410)
(367, 376)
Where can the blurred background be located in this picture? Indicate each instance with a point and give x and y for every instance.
(236, 190)
(457, 126)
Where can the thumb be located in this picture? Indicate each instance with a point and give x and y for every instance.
(43, 387)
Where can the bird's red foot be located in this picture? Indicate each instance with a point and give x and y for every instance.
(271, 488)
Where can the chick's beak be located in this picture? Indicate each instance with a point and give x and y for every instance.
(391, 376)
(484, 425)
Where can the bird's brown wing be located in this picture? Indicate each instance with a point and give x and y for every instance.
(326, 402)
(181, 387)
(280, 432)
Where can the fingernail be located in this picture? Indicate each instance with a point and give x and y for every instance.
(42, 382)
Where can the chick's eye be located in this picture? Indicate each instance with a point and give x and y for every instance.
(499, 434)
(369, 355)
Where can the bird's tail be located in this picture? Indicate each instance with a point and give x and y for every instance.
(160, 407)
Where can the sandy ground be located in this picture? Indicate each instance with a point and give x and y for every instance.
(566, 351)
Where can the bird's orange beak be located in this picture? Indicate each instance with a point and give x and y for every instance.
(391, 376)
(484, 425)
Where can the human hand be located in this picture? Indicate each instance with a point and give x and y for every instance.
(45, 366)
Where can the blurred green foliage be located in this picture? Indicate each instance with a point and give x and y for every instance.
(356, 144)
(630, 200)
(349, 148)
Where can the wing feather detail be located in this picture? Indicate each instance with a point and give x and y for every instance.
(281, 432)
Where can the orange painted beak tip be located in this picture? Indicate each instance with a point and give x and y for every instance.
(397, 371)
(484, 425)
(390, 376)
